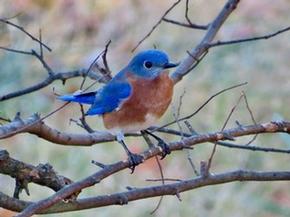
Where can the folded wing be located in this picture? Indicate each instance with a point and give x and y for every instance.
(110, 97)
(107, 99)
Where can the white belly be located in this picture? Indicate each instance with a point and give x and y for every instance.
(135, 127)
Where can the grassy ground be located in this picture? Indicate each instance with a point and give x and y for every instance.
(78, 30)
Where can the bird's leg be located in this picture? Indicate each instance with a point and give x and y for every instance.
(161, 143)
(134, 159)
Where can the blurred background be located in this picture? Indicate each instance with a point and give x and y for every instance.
(78, 30)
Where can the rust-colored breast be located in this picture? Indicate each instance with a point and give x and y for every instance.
(150, 98)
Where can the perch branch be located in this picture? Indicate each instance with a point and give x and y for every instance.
(154, 151)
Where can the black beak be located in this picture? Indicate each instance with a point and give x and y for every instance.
(170, 65)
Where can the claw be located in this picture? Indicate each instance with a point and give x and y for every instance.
(134, 160)
(165, 148)
(161, 143)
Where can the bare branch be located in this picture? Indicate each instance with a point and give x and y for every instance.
(90, 68)
(209, 162)
(147, 192)
(254, 148)
(186, 12)
(24, 31)
(154, 151)
(16, 51)
(24, 173)
(183, 67)
(63, 76)
(237, 41)
(34, 125)
(191, 26)
(202, 106)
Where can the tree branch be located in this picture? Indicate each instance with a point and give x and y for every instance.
(263, 37)
(35, 126)
(188, 25)
(202, 47)
(147, 192)
(154, 151)
(25, 32)
(24, 173)
(63, 76)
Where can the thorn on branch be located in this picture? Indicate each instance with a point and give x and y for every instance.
(239, 124)
(101, 165)
(177, 194)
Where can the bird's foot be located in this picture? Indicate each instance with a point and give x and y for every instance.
(161, 143)
(134, 160)
(165, 148)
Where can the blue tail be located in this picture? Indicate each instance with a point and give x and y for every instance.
(83, 98)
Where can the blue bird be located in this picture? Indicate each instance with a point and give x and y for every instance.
(134, 99)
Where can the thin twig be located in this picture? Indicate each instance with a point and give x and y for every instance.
(16, 51)
(237, 41)
(254, 148)
(223, 127)
(187, 25)
(153, 191)
(202, 106)
(156, 25)
(197, 60)
(252, 117)
(39, 120)
(105, 72)
(43, 62)
(63, 76)
(162, 181)
(192, 132)
(104, 58)
(5, 119)
(165, 179)
(24, 31)
(202, 47)
(186, 12)
(176, 113)
(84, 123)
(89, 69)
(40, 44)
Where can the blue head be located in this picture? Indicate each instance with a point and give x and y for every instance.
(149, 63)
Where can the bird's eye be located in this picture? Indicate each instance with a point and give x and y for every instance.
(148, 64)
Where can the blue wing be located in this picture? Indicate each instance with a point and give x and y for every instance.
(110, 97)
(83, 98)
(107, 99)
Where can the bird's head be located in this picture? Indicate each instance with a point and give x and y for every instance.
(149, 63)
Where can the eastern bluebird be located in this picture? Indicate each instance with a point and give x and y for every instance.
(134, 99)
